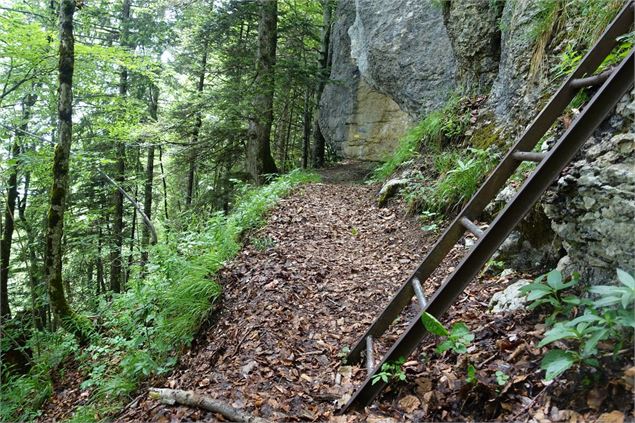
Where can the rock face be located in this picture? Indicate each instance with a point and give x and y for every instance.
(513, 94)
(402, 49)
(592, 207)
(357, 120)
(476, 46)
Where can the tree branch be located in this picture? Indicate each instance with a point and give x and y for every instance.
(192, 399)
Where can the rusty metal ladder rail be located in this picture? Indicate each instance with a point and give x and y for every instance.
(615, 84)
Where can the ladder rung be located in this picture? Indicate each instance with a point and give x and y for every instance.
(369, 354)
(590, 81)
(529, 156)
(416, 285)
(470, 226)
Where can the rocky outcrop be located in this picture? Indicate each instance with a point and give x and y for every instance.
(357, 120)
(402, 49)
(513, 93)
(477, 45)
(592, 207)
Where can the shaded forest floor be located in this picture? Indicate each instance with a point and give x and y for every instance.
(309, 283)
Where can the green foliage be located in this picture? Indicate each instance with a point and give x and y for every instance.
(391, 371)
(458, 337)
(550, 289)
(501, 377)
(462, 172)
(609, 316)
(22, 396)
(470, 378)
(448, 123)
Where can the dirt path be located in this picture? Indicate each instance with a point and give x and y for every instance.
(305, 286)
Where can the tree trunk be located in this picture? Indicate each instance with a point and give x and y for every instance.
(165, 186)
(198, 123)
(116, 259)
(38, 289)
(7, 232)
(259, 159)
(99, 265)
(147, 194)
(319, 143)
(55, 219)
(306, 133)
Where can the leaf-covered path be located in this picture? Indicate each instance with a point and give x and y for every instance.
(305, 286)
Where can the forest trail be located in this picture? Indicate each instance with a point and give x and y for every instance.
(304, 286)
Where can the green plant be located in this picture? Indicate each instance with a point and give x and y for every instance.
(264, 243)
(549, 289)
(354, 231)
(463, 173)
(470, 378)
(447, 123)
(501, 377)
(458, 337)
(391, 371)
(609, 317)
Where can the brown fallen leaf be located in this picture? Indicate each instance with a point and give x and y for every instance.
(595, 398)
(612, 417)
(409, 403)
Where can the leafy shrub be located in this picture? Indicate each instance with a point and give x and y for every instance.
(390, 371)
(608, 317)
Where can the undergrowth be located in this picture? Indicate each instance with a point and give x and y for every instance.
(440, 126)
(142, 331)
(461, 173)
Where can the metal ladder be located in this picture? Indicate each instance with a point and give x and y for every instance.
(614, 84)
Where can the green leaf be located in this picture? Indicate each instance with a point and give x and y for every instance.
(607, 301)
(554, 280)
(459, 329)
(603, 289)
(586, 317)
(556, 362)
(444, 346)
(626, 278)
(432, 325)
(534, 295)
(590, 345)
(534, 287)
(559, 331)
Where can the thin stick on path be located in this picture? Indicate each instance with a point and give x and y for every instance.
(192, 399)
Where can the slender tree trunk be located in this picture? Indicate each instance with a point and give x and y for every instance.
(319, 143)
(116, 259)
(100, 265)
(7, 232)
(306, 133)
(198, 123)
(259, 159)
(147, 194)
(165, 186)
(38, 289)
(55, 219)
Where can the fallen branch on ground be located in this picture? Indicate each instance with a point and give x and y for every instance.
(192, 399)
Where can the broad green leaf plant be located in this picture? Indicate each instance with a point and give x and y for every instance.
(606, 317)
